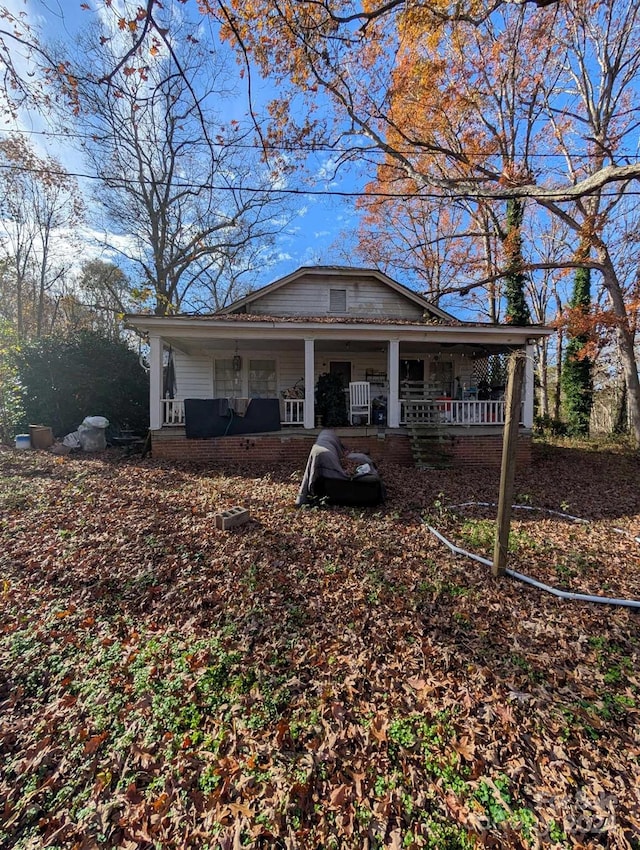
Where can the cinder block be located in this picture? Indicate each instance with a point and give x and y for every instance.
(231, 518)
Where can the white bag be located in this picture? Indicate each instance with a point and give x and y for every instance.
(92, 434)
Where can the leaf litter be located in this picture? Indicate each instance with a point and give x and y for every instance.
(315, 678)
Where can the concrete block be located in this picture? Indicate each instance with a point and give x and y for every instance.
(231, 518)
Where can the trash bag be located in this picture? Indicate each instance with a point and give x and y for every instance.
(92, 433)
(72, 441)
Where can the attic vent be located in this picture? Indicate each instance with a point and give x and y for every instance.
(337, 300)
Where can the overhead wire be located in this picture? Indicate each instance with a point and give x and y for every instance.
(558, 195)
(312, 147)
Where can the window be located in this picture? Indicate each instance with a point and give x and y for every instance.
(262, 379)
(228, 383)
(337, 300)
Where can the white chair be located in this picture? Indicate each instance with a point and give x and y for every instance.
(360, 400)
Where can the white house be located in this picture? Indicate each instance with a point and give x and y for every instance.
(412, 362)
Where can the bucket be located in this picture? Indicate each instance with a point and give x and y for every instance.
(41, 436)
(23, 441)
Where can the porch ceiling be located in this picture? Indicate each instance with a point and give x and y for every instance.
(193, 346)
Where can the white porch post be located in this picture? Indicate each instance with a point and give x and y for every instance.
(155, 382)
(393, 371)
(309, 385)
(529, 388)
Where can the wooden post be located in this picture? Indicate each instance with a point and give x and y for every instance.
(517, 363)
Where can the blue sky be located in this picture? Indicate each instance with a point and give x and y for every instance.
(319, 222)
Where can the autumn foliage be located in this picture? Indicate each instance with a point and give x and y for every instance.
(316, 678)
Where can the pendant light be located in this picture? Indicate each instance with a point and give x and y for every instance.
(237, 361)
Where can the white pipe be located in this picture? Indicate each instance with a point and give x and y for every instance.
(524, 508)
(563, 594)
(544, 511)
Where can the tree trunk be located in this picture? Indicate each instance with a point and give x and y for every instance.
(619, 415)
(543, 376)
(625, 342)
(556, 388)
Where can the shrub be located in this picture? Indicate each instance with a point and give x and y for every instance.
(11, 412)
(64, 379)
(331, 403)
(546, 424)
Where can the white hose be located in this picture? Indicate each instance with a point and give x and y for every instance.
(563, 594)
(541, 510)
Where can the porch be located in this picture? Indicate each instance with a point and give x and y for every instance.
(427, 375)
(439, 412)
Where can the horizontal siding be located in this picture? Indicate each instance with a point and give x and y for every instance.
(194, 376)
(309, 296)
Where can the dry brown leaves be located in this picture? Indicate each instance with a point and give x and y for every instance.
(315, 678)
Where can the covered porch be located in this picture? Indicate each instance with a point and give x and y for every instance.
(448, 377)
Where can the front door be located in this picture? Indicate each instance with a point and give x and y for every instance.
(412, 370)
(342, 368)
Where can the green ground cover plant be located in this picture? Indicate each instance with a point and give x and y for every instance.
(315, 678)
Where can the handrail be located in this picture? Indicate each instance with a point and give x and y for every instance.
(449, 411)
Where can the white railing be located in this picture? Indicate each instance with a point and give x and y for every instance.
(293, 411)
(452, 412)
(172, 411)
(423, 411)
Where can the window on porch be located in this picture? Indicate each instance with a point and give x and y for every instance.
(228, 381)
(262, 379)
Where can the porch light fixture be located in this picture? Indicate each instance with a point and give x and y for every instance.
(237, 361)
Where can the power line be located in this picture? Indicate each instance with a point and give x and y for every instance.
(557, 195)
(315, 148)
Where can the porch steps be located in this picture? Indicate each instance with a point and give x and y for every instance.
(431, 446)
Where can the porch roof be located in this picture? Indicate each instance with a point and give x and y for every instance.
(208, 330)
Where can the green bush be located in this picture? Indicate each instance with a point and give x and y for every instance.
(331, 403)
(548, 425)
(64, 379)
(11, 412)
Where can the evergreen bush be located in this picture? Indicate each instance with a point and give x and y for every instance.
(331, 404)
(577, 381)
(64, 379)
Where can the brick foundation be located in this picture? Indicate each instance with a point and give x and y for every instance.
(262, 450)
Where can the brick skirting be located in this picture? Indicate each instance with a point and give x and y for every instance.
(261, 450)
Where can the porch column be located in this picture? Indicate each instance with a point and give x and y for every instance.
(155, 382)
(393, 371)
(309, 384)
(529, 388)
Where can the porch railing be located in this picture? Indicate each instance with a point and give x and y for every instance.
(172, 411)
(293, 411)
(424, 411)
(452, 412)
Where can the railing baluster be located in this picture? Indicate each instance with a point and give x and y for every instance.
(453, 412)
(172, 412)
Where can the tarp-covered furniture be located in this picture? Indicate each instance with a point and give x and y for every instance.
(222, 417)
(325, 478)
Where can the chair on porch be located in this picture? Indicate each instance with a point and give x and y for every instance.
(359, 400)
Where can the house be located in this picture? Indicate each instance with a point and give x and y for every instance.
(242, 380)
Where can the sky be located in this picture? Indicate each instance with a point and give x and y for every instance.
(320, 223)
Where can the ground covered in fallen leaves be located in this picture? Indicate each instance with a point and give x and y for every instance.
(317, 678)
